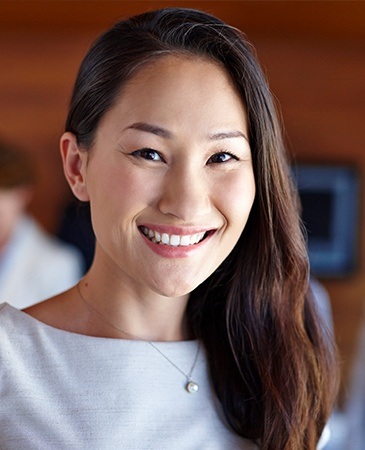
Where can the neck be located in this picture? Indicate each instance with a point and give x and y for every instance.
(112, 310)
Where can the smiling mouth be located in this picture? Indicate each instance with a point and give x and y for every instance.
(174, 240)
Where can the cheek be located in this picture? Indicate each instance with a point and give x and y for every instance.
(136, 190)
(123, 192)
(236, 199)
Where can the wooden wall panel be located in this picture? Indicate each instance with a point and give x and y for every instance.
(313, 54)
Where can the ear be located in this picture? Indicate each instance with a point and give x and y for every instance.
(74, 165)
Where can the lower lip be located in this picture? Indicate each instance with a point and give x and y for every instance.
(169, 251)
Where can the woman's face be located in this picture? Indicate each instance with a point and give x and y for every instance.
(170, 177)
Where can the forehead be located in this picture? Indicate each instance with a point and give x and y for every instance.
(172, 87)
(173, 65)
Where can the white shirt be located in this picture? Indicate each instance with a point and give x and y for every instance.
(61, 390)
(36, 266)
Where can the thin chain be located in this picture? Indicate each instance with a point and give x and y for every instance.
(188, 376)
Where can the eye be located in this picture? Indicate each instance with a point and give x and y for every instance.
(149, 154)
(221, 157)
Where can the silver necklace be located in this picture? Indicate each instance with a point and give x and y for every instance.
(191, 386)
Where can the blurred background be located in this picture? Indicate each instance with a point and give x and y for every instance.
(313, 54)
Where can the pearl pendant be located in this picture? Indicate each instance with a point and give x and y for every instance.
(192, 387)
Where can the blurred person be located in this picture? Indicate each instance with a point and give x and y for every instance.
(33, 264)
(323, 302)
(355, 405)
(337, 424)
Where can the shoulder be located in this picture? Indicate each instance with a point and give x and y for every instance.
(57, 312)
(8, 319)
(13, 324)
(16, 324)
(16, 334)
(26, 335)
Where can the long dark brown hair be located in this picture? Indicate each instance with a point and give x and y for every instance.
(271, 361)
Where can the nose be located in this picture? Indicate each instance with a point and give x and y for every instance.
(186, 194)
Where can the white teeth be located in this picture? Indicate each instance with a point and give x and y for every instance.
(200, 237)
(185, 240)
(174, 240)
(194, 238)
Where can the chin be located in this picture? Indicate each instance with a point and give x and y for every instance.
(175, 290)
(178, 283)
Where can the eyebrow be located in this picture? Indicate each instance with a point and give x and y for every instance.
(228, 135)
(162, 132)
(149, 128)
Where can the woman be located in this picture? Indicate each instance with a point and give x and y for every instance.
(200, 274)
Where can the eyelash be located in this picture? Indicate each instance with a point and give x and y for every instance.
(143, 152)
(231, 156)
